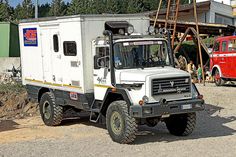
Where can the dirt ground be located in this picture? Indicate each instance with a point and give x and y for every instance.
(15, 105)
(214, 136)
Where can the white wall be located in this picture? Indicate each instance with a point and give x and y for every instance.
(8, 62)
(220, 1)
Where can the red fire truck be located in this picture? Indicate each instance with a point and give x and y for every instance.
(223, 60)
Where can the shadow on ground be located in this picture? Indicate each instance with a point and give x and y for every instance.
(229, 85)
(208, 125)
(8, 125)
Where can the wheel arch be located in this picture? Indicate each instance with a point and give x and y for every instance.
(111, 96)
(41, 92)
(216, 67)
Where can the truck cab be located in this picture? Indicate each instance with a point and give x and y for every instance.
(139, 72)
(223, 60)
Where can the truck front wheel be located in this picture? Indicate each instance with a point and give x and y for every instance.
(181, 124)
(51, 113)
(120, 125)
(218, 80)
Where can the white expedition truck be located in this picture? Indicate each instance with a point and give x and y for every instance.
(111, 66)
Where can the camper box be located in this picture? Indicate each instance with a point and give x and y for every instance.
(57, 51)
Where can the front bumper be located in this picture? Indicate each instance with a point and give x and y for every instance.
(167, 109)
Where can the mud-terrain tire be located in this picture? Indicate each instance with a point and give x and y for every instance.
(51, 113)
(121, 126)
(181, 124)
(217, 79)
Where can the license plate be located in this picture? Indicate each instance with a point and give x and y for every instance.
(187, 107)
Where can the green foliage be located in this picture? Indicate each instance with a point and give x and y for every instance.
(77, 7)
(11, 87)
(5, 11)
(58, 8)
(24, 10)
(44, 10)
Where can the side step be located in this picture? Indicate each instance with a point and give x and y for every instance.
(94, 115)
(95, 111)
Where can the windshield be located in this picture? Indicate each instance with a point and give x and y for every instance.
(141, 54)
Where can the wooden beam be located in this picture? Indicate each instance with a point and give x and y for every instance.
(157, 14)
(181, 40)
(175, 23)
(198, 39)
(167, 13)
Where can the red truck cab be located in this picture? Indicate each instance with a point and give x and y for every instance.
(223, 60)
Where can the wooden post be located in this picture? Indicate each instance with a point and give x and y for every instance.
(198, 40)
(167, 13)
(175, 23)
(157, 13)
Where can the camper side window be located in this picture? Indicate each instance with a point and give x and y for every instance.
(55, 43)
(69, 48)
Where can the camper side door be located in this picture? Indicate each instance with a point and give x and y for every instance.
(51, 55)
(56, 56)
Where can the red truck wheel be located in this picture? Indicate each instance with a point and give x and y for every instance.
(218, 80)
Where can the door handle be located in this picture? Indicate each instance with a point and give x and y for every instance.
(95, 75)
(54, 78)
(59, 56)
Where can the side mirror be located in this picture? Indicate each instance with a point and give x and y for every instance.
(101, 62)
(95, 62)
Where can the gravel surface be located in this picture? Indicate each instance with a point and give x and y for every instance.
(214, 136)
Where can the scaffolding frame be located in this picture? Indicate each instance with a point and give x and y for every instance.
(173, 21)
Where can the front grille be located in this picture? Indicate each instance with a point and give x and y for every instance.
(171, 86)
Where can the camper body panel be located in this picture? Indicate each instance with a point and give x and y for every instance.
(45, 60)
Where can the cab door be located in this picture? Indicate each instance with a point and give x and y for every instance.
(216, 54)
(223, 59)
(102, 75)
(232, 58)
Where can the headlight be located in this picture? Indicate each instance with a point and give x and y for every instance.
(145, 99)
(195, 93)
(121, 32)
(163, 31)
(151, 29)
(130, 29)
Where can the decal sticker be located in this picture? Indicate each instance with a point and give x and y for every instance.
(30, 37)
(74, 96)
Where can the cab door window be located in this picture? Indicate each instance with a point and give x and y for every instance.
(102, 58)
(224, 46)
(232, 45)
(217, 46)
